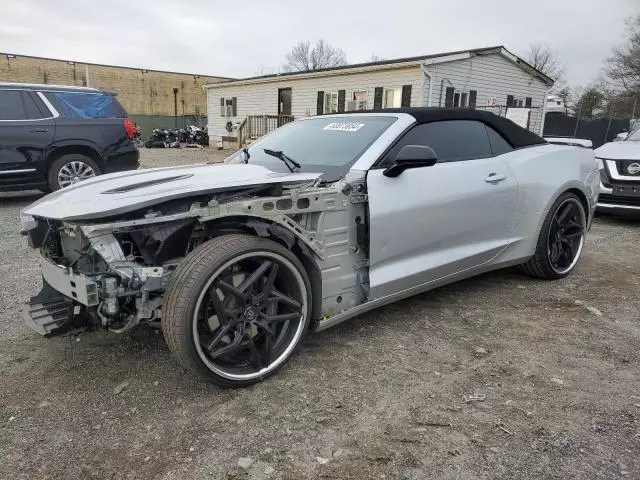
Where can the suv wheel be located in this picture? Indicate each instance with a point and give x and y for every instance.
(70, 169)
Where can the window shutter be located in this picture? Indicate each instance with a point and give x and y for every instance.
(473, 95)
(456, 99)
(341, 95)
(223, 112)
(234, 106)
(509, 101)
(377, 98)
(406, 96)
(448, 97)
(527, 102)
(320, 104)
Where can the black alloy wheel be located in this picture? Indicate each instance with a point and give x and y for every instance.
(236, 309)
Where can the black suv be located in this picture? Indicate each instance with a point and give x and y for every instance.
(53, 136)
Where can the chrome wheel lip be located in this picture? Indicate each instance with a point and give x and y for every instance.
(73, 172)
(294, 341)
(576, 257)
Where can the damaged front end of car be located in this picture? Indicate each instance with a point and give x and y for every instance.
(111, 275)
(113, 272)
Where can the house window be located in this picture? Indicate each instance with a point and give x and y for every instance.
(358, 101)
(392, 97)
(463, 100)
(514, 102)
(330, 102)
(228, 107)
(456, 98)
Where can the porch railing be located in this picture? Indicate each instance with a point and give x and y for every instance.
(255, 126)
(259, 125)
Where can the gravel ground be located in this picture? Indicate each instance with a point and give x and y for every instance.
(554, 367)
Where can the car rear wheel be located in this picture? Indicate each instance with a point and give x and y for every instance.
(561, 240)
(70, 169)
(236, 308)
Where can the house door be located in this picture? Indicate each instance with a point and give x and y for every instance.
(284, 105)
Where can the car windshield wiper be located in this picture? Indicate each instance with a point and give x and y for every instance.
(288, 161)
(246, 158)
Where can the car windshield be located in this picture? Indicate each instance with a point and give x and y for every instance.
(327, 145)
(633, 136)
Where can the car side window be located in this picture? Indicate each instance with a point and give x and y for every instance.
(452, 140)
(33, 112)
(498, 144)
(12, 105)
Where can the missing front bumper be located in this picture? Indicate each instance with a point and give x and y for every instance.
(50, 313)
(73, 286)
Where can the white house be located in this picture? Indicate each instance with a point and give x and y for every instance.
(491, 78)
(555, 104)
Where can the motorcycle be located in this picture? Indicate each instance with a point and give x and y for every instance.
(137, 137)
(163, 138)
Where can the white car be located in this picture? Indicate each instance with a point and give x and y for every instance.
(619, 164)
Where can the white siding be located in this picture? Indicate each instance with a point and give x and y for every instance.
(262, 98)
(492, 76)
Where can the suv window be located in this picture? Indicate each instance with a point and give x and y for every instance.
(33, 111)
(78, 105)
(498, 144)
(12, 105)
(452, 140)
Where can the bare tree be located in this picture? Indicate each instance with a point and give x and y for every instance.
(304, 57)
(623, 67)
(565, 95)
(541, 57)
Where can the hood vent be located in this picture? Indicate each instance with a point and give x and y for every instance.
(148, 183)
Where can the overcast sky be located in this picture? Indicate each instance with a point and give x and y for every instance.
(244, 38)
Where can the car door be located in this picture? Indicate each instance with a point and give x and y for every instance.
(25, 132)
(433, 222)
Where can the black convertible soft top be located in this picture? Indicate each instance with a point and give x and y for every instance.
(514, 134)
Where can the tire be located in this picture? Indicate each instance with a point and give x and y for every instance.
(223, 338)
(68, 164)
(543, 264)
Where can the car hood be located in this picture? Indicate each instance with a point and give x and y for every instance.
(619, 151)
(122, 192)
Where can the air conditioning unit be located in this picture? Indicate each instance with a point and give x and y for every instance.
(356, 105)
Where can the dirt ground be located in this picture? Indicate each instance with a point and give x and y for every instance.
(500, 376)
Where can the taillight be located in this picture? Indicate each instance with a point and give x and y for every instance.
(129, 128)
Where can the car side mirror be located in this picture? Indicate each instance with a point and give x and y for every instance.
(411, 156)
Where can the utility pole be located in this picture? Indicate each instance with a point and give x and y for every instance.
(611, 107)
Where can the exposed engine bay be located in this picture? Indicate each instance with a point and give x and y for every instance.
(113, 272)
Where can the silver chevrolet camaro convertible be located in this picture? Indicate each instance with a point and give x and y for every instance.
(321, 220)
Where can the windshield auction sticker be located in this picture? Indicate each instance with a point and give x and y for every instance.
(344, 127)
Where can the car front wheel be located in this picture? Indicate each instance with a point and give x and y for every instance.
(561, 239)
(236, 308)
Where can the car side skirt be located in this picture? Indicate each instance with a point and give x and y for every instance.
(379, 302)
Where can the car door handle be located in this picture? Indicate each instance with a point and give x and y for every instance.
(495, 178)
(38, 130)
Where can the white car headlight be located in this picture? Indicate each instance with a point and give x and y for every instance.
(27, 222)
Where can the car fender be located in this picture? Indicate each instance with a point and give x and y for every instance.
(70, 144)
